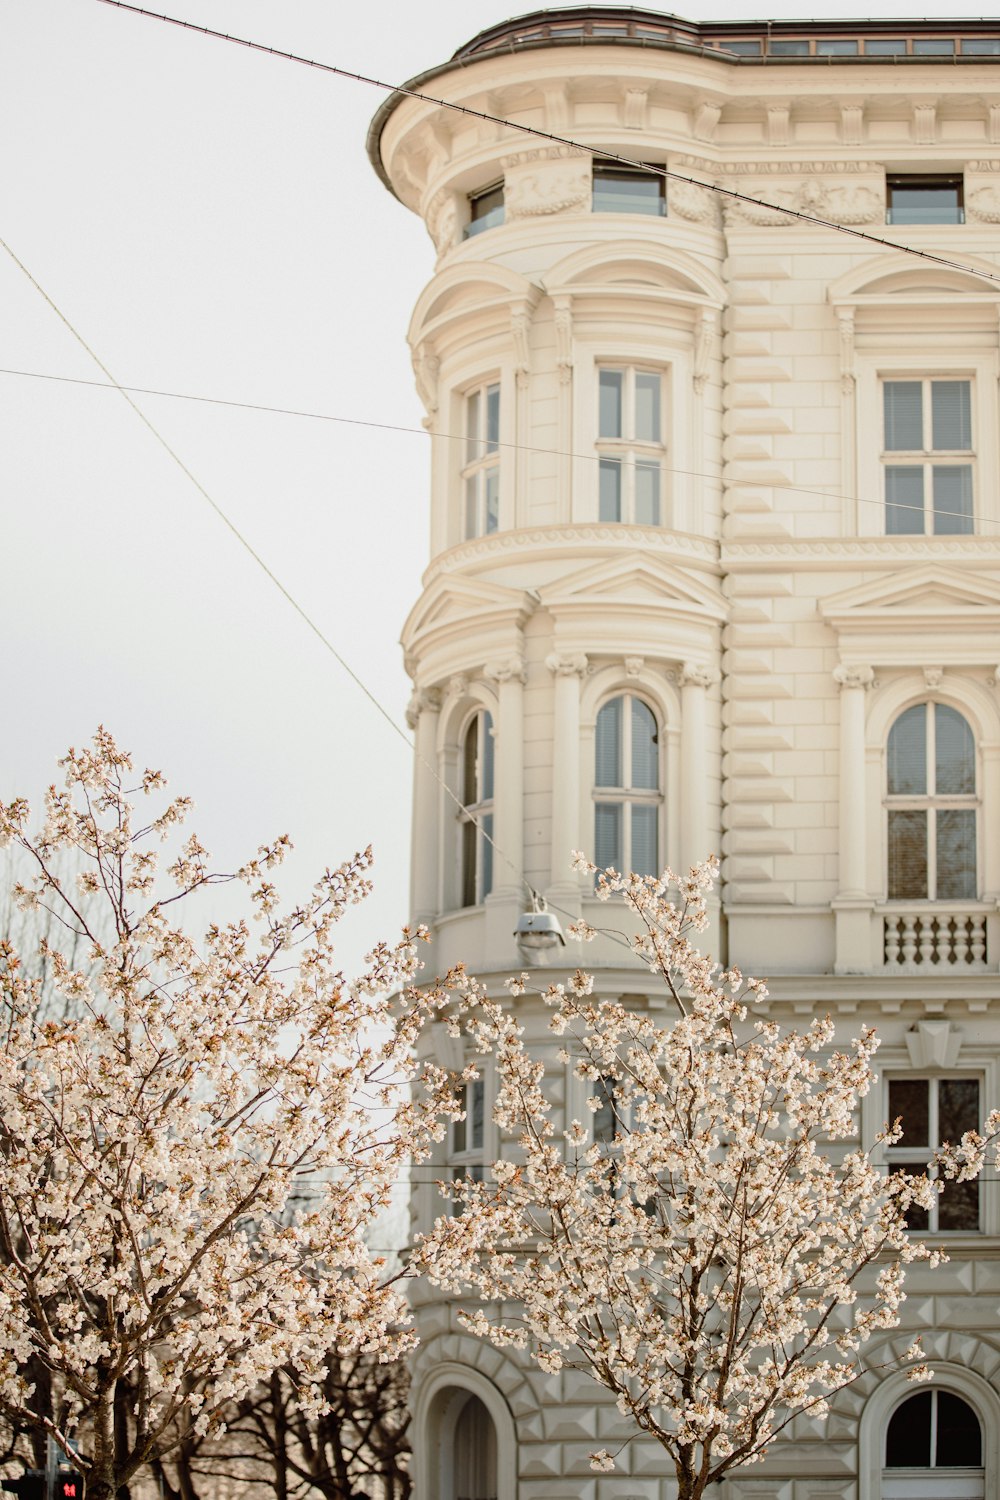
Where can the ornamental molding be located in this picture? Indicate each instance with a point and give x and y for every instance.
(693, 674)
(633, 665)
(854, 204)
(933, 1044)
(442, 220)
(809, 169)
(544, 153)
(691, 201)
(984, 204)
(542, 193)
(569, 541)
(422, 701)
(875, 551)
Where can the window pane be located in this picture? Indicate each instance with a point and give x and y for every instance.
(647, 407)
(645, 859)
(472, 404)
(470, 780)
(608, 835)
(624, 192)
(907, 855)
(647, 494)
(904, 421)
(486, 772)
(604, 1115)
(476, 1092)
(486, 210)
(959, 1439)
(958, 1209)
(933, 46)
(924, 201)
(836, 49)
(492, 478)
(610, 490)
(469, 837)
(884, 46)
(908, 1437)
(472, 505)
(907, 769)
(954, 752)
(951, 414)
(644, 747)
(789, 49)
(953, 499)
(956, 854)
(904, 501)
(610, 403)
(492, 418)
(909, 1101)
(958, 1108)
(458, 1131)
(608, 758)
(487, 855)
(981, 46)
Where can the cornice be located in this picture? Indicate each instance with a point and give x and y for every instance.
(554, 542)
(847, 552)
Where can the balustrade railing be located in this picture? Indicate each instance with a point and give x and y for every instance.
(934, 939)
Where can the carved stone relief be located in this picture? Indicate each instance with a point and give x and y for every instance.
(539, 183)
(840, 204)
(689, 201)
(443, 221)
(983, 204)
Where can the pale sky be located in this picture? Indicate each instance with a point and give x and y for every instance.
(207, 219)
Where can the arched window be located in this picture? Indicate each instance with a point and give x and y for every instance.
(933, 1449)
(475, 1453)
(477, 809)
(931, 806)
(627, 796)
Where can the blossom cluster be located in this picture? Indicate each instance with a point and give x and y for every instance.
(196, 1140)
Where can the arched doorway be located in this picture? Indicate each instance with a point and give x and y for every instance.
(474, 1453)
(464, 1438)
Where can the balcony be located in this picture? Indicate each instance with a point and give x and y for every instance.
(939, 938)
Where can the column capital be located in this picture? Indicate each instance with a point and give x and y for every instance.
(693, 674)
(567, 666)
(422, 701)
(510, 669)
(853, 675)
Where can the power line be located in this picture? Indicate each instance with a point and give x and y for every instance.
(561, 140)
(456, 437)
(298, 608)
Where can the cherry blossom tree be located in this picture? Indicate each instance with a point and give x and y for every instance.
(719, 1257)
(192, 1147)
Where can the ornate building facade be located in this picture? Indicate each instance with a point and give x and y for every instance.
(715, 566)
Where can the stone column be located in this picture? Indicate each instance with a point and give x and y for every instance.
(853, 904)
(422, 715)
(695, 680)
(508, 775)
(567, 834)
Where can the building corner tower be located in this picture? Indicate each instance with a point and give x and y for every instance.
(714, 555)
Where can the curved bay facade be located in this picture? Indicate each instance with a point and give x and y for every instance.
(715, 567)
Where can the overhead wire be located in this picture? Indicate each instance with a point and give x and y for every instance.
(536, 132)
(456, 437)
(288, 596)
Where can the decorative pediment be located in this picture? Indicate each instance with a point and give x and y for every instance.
(471, 288)
(636, 268)
(458, 605)
(631, 586)
(919, 600)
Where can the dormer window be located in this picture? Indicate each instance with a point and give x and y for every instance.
(925, 199)
(620, 189)
(485, 210)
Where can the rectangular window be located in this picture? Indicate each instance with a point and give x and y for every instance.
(485, 210)
(467, 1134)
(836, 49)
(741, 49)
(620, 189)
(934, 1111)
(630, 423)
(789, 48)
(927, 456)
(927, 199)
(888, 46)
(481, 469)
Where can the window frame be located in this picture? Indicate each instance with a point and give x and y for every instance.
(481, 223)
(932, 802)
(626, 450)
(915, 1158)
(626, 796)
(647, 172)
(476, 818)
(899, 181)
(480, 460)
(932, 362)
(928, 458)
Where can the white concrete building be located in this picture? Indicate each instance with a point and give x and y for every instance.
(715, 566)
